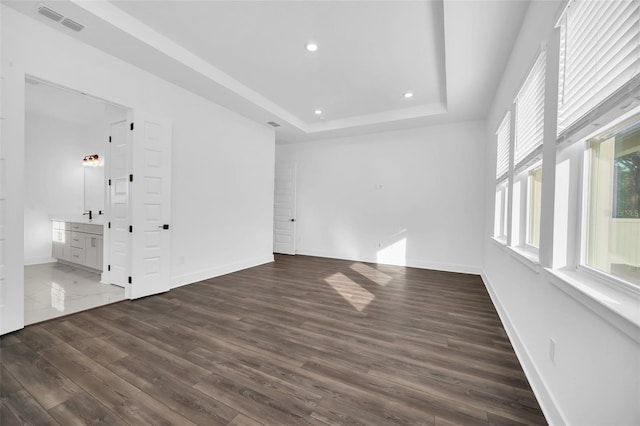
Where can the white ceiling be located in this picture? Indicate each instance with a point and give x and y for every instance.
(250, 56)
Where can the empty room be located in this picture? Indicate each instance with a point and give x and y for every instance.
(327, 212)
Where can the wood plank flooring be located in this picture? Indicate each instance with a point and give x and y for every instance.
(301, 341)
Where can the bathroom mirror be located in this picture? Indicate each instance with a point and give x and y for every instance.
(94, 189)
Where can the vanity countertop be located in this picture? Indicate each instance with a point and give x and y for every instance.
(97, 220)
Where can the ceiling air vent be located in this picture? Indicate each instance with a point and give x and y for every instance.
(51, 14)
(59, 18)
(72, 24)
(273, 124)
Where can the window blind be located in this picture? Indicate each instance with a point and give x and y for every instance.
(529, 122)
(599, 57)
(504, 142)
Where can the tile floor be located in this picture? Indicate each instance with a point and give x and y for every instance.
(52, 290)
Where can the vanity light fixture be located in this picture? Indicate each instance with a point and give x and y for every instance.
(311, 46)
(91, 160)
(408, 95)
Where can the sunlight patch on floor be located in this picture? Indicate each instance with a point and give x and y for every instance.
(351, 291)
(373, 274)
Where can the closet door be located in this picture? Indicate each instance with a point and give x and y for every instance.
(150, 204)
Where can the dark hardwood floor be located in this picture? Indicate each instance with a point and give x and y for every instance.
(301, 341)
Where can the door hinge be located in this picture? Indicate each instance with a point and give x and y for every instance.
(108, 267)
(109, 182)
(109, 139)
(109, 225)
(130, 178)
(129, 280)
(131, 125)
(130, 228)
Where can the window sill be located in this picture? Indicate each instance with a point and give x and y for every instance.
(526, 257)
(619, 308)
(500, 242)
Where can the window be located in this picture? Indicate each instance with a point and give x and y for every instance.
(612, 243)
(599, 88)
(502, 170)
(527, 181)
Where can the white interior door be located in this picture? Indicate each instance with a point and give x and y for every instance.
(284, 209)
(151, 204)
(119, 245)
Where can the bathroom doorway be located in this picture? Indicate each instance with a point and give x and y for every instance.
(66, 196)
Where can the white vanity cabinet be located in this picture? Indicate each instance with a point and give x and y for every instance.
(78, 243)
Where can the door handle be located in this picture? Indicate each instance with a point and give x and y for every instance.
(163, 226)
(293, 220)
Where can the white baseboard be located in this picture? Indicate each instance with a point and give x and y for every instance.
(412, 263)
(446, 267)
(205, 274)
(39, 260)
(547, 402)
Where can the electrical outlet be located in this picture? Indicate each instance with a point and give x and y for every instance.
(552, 350)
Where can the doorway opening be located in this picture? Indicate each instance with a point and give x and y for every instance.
(67, 160)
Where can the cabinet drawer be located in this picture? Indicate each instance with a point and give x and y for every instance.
(93, 229)
(87, 228)
(77, 255)
(77, 239)
(75, 226)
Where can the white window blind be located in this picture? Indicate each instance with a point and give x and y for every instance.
(599, 56)
(529, 123)
(504, 142)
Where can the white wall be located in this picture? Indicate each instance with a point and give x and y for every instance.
(594, 379)
(54, 177)
(416, 193)
(222, 169)
(3, 191)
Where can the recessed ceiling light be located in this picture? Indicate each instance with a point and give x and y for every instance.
(408, 95)
(311, 46)
(318, 111)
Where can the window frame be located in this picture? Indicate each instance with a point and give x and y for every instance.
(584, 189)
(520, 224)
(502, 187)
